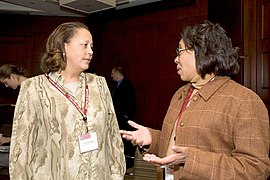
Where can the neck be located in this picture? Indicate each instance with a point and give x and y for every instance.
(70, 77)
(197, 82)
(21, 79)
(120, 78)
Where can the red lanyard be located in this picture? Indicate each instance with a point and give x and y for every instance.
(185, 105)
(72, 100)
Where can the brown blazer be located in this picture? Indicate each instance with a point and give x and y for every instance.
(226, 130)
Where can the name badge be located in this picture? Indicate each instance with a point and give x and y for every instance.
(168, 173)
(88, 142)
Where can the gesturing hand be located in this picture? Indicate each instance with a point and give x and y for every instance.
(140, 137)
(178, 157)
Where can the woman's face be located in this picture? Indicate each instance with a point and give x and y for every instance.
(185, 61)
(79, 51)
(11, 82)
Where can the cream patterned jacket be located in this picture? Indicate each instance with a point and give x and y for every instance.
(46, 126)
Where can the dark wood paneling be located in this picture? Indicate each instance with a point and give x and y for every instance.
(15, 49)
(263, 50)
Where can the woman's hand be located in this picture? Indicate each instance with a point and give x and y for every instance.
(4, 140)
(140, 137)
(178, 157)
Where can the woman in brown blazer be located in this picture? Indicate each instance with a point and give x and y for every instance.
(214, 127)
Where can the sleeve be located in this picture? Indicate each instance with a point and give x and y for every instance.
(23, 134)
(249, 158)
(154, 147)
(115, 145)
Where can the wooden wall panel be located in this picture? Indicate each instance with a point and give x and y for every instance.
(15, 50)
(263, 50)
(256, 31)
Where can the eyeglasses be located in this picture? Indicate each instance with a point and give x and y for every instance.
(179, 50)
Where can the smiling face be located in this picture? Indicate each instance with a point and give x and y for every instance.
(78, 51)
(185, 61)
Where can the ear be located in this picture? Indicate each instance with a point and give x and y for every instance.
(12, 76)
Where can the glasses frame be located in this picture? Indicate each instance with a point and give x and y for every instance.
(179, 50)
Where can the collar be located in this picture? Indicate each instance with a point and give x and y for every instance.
(211, 87)
(119, 81)
(207, 91)
(197, 82)
(58, 78)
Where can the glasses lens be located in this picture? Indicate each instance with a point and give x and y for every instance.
(177, 51)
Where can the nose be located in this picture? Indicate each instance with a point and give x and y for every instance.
(90, 50)
(176, 60)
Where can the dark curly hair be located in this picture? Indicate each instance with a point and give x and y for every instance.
(214, 52)
(54, 58)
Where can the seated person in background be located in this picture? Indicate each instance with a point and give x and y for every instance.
(12, 77)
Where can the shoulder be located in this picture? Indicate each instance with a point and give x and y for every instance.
(33, 80)
(238, 91)
(226, 87)
(127, 82)
(93, 78)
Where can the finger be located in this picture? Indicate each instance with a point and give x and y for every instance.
(163, 161)
(123, 131)
(128, 137)
(179, 149)
(126, 133)
(135, 125)
(153, 159)
(148, 157)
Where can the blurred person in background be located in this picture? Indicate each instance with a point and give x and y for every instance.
(12, 77)
(124, 101)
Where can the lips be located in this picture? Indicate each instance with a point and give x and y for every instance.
(178, 68)
(87, 59)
